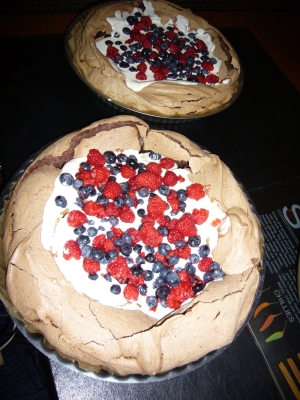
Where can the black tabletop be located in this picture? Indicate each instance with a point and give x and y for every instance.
(257, 137)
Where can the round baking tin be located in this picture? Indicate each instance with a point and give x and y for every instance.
(127, 110)
(37, 339)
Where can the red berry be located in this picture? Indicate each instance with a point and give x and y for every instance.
(167, 163)
(100, 175)
(170, 178)
(119, 269)
(153, 167)
(112, 189)
(142, 67)
(111, 210)
(156, 206)
(94, 209)
(91, 266)
(159, 76)
(201, 79)
(204, 264)
(174, 235)
(201, 45)
(141, 76)
(146, 20)
(71, 250)
(95, 158)
(98, 241)
(195, 191)
(127, 171)
(209, 66)
(212, 78)
(200, 216)
(76, 218)
(150, 236)
(186, 225)
(131, 292)
(148, 180)
(174, 203)
(126, 215)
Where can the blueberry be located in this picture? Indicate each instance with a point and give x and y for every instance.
(159, 281)
(172, 279)
(132, 163)
(118, 242)
(66, 179)
(118, 201)
(114, 170)
(131, 19)
(79, 202)
(151, 301)
(93, 277)
(213, 60)
(127, 238)
(214, 266)
(111, 255)
(109, 234)
(136, 270)
(192, 35)
(128, 201)
(113, 220)
(207, 277)
(140, 260)
(150, 258)
(164, 271)
(204, 251)
(83, 192)
(182, 206)
(194, 258)
(163, 303)
(217, 274)
(109, 42)
(61, 201)
(141, 212)
(125, 187)
(190, 269)
(173, 260)
(79, 230)
(92, 231)
(126, 31)
(157, 266)
(148, 275)
(83, 240)
(164, 249)
(144, 192)
(163, 230)
(77, 183)
(164, 190)
(194, 241)
(96, 254)
(198, 287)
(131, 69)
(122, 157)
(180, 244)
(123, 47)
(108, 277)
(162, 292)
(123, 64)
(137, 248)
(154, 156)
(126, 249)
(143, 289)
(84, 165)
(86, 251)
(204, 71)
(164, 46)
(115, 289)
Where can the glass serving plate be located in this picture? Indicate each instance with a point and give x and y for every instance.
(127, 110)
(37, 340)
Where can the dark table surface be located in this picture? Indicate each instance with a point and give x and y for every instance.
(257, 137)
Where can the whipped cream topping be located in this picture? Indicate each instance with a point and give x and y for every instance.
(179, 24)
(56, 231)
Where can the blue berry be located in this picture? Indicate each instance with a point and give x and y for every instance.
(150, 248)
(118, 201)
(204, 251)
(113, 220)
(79, 202)
(151, 301)
(140, 260)
(83, 240)
(194, 241)
(172, 279)
(180, 244)
(79, 230)
(207, 277)
(109, 42)
(122, 157)
(115, 289)
(162, 292)
(164, 248)
(137, 248)
(214, 266)
(66, 179)
(61, 201)
(83, 192)
(198, 287)
(141, 212)
(126, 249)
(131, 19)
(108, 277)
(93, 277)
(136, 270)
(154, 156)
(164, 190)
(96, 254)
(150, 258)
(127, 238)
(144, 192)
(217, 274)
(77, 183)
(126, 31)
(125, 187)
(92, 231)
(84, 165)
(157, 266)
(143, 289)
(163, 230)
(159, 281)
(128, 201)
(190, 269)
(173, 260)
(148, 275)
(194, 258)
(109, 234)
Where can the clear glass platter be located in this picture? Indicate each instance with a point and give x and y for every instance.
(37, 340)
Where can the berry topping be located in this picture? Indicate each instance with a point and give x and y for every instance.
(95, 158)
(195, 191)
(76, 218)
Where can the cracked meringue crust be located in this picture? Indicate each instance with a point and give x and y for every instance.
(103, 337)
(160, 98)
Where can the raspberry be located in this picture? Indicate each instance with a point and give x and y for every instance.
(150, 236)
(167, 163)
(170, 34)
(91, 266)
(159, 76)
(134, 234)
(186, 225)
(209, 66)
(142, 67)
(108, 244)
(127, 171)
(72, 250)
(112, 52)
(100, 175)
(112, 189)
(126, 215)
(184, 253)
(98, 241)
(141, 76)
(174, 48)
(140, 26)
(205, 263)
(201, 45)
(131, 292)
(76, 218)
(148, 180)
(85, 176)
(195, 191)
(201, 79)
(146, 20)
(212, 78)
(174, 235)
(95, 158)
(153, 167)
(147, 45)
(148, 219)
(94, 209)
(200, 216)
(156, 206)
(174, 203)
(170, 178)
(117, 231)
(111, 210)
(119, 269)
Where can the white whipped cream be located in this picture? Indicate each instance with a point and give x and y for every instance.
(56, 231)
(119, 22)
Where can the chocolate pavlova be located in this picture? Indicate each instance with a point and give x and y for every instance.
(195, 299)
(154, 57)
